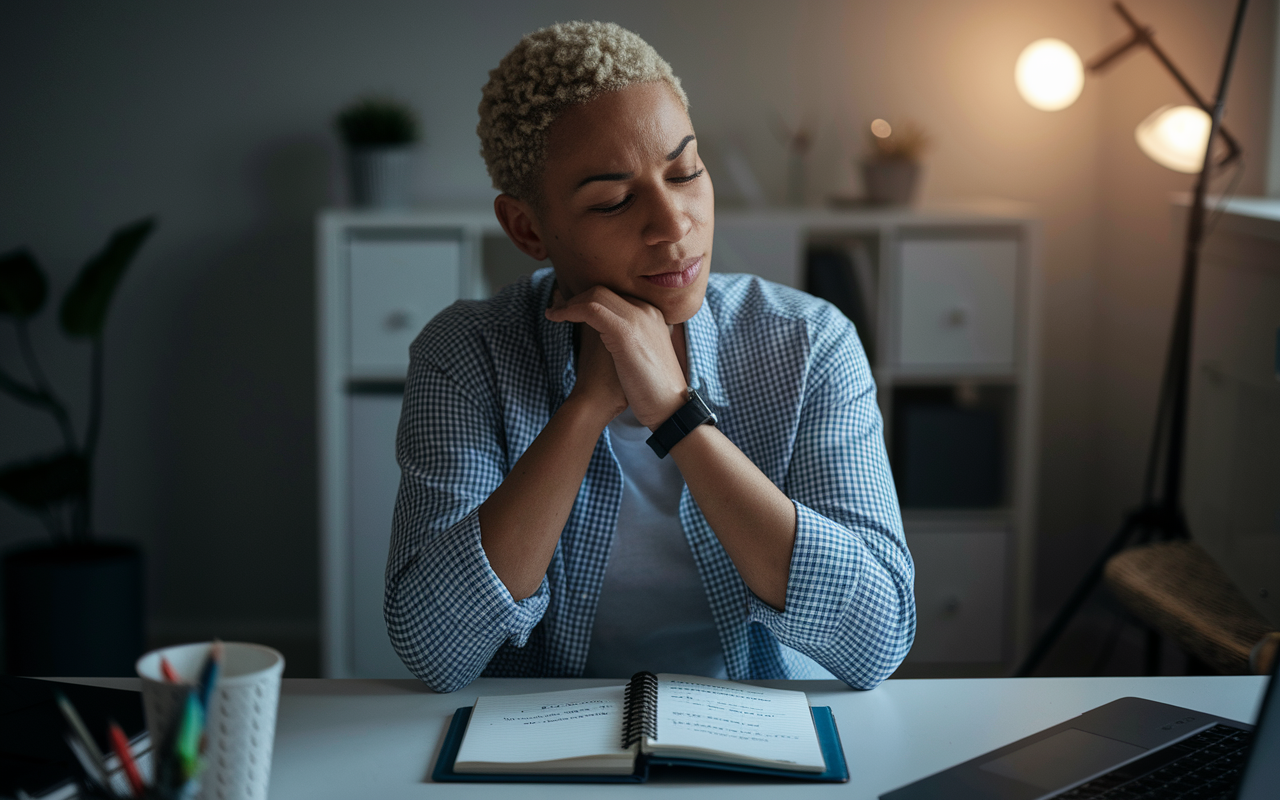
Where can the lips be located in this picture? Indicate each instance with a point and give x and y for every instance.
(679, 278)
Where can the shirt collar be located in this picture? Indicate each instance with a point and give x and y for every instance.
(702, 348)
(556, 338)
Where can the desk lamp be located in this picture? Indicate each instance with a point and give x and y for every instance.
(1049, 76)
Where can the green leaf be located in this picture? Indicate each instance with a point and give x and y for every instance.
(40, 483)
(84, 309)
(22, 284)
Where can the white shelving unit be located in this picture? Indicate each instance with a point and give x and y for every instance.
(952, 310)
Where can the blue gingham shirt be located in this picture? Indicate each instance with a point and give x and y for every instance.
(790, 385)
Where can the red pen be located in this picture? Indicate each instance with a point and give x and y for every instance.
(121, 746)
(170, 674)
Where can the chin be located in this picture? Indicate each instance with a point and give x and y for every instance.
(681, 308)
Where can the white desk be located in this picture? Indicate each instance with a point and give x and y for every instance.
(378, 739)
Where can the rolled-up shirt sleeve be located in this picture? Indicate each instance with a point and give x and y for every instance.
(447, 612)
(850, 603)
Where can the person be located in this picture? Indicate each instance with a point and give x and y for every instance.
(537, 531)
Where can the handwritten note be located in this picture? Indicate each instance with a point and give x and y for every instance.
(749, 721)
(549, 726)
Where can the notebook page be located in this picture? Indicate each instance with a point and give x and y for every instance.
(772, 725)
(545, 726)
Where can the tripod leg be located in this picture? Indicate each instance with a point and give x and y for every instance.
(1081, 593)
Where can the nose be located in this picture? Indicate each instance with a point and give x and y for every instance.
(669, 220)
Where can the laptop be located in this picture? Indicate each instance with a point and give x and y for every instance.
(1131, 748)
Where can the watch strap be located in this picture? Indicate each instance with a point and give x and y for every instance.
(693, 413)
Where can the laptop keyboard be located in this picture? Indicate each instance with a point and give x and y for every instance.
(1203, 767)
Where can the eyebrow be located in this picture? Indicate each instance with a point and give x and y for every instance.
(608, 176)
(626, 176)
(674, 154)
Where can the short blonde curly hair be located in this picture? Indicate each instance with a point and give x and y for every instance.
(549, 70)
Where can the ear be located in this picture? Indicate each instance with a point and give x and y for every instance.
(521, 224)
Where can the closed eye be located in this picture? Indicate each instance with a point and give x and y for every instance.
(626, 201)
(688, 178)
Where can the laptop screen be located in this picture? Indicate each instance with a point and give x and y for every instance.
(1261, 779)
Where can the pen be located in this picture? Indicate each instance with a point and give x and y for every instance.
(91, 770)
(190, 729)
(77, 725)
(121, 746)
(170, 674)
(210, 674)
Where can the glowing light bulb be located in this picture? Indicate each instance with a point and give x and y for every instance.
(1049, 74)
(1175, 137)
(881, 129)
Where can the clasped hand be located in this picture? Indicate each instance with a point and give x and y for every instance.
(626, 356)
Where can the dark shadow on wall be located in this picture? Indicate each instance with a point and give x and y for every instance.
(236, 551)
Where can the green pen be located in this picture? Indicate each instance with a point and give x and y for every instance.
(189, 733)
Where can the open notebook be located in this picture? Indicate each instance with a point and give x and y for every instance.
(617, 733)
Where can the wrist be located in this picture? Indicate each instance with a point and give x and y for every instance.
(590, 412)
(687, 419)
(661, 411)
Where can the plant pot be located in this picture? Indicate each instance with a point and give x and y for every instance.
(890, 181)
(381, 177)
(73, 610)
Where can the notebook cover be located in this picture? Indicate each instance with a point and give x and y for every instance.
(823, 722)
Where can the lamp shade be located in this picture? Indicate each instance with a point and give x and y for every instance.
(1049, 74)
(1175, 137)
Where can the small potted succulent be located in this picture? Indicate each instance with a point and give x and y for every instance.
(892, 171)
(74, 605)
(380, 134)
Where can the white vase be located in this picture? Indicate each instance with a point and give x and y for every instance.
(381, 177)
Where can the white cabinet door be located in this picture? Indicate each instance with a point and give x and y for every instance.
(960, 589)
(957, 303)
(374, 479)
(397, 286)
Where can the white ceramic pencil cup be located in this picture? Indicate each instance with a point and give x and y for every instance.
(240, 727)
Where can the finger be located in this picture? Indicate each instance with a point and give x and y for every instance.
(598, 316)
(593, 299)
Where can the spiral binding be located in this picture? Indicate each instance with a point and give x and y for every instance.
(640, 716)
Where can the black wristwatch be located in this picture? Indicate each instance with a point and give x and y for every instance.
(691, 415)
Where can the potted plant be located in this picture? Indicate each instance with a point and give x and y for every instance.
(72, 606)
(379, 134)
(892, 171)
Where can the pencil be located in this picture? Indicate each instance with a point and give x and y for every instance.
(121, 746)
(77, 725)
(170, 674)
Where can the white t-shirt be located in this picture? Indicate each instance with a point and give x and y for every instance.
(653, 612)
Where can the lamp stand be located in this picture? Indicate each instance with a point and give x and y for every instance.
(1160, 518)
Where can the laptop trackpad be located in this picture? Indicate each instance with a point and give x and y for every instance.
(1063, 759)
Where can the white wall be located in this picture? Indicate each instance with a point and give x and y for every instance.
(217, 117)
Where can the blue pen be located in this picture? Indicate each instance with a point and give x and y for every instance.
(209, 675)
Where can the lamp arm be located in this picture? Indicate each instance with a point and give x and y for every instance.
(1144, 35)
(1100, 62)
